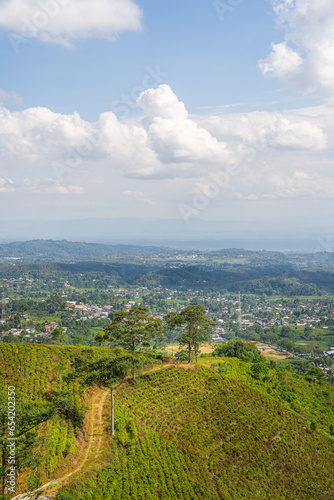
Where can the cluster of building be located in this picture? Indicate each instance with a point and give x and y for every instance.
(86, 311)
(31, 333)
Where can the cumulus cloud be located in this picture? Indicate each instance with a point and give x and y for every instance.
(165, 142)
(283, 62)
(271, 149)
(173, 135)
(62, 21)
(305, 58)
(289, 130)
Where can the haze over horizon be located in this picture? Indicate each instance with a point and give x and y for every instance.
(198, 234)
(214, 118)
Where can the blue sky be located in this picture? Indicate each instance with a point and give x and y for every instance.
(117, 108)
(208, 61)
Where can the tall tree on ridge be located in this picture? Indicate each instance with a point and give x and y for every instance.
(133, 329)
(197, 327)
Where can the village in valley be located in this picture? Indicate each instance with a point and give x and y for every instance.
(280, 327)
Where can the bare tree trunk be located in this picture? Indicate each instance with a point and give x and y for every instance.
(189, 358)
(112, 411)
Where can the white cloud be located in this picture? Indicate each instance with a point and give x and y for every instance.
(129, 192)
(173, 135)
(61, 21)
(272, 130)
(283, 62)
(298, 186)
(6, 185)
(306, 57)
(50, 186)
(277, 153)
(138, 195)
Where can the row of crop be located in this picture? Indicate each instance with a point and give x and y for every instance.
(195, 431)
(23, 368)
(313, 401)
(263, 426)
(57, 441)
(35, 371)
(151, 469)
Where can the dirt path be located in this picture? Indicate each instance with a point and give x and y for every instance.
(95, 427)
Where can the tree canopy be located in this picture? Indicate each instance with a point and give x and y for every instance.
(237, 348)
(133, 329)
(109, 371)
(196, 324)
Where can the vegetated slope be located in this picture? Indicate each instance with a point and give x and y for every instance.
(69, 251)
(35, 371)
(193, 434)
(273, 280)
(310, 397)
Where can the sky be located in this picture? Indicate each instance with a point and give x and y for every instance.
(214, 110)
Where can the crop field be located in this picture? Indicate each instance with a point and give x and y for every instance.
(210, 432)
(196, 434)
(34, 371)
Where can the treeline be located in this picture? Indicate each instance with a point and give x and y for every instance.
(275, 280)
(69, 251)
(284, 280)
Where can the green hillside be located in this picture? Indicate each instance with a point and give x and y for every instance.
(182, 432)
(192, 434)
(36, 372)
(69, 251)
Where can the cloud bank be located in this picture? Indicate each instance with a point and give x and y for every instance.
(281, 154)
(62, 21)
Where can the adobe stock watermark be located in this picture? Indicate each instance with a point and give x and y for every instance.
(48, 9)
(10, 452)
(154, 76)
(302, 271)
(325, 245)
(201, 198)
(75, 156)
(225, 7)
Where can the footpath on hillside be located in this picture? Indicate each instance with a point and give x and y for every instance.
(95, 425)
(95, 428)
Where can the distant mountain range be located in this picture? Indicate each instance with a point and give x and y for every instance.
(69, 251)
(272, 273)
(161, 256)
(177, 233)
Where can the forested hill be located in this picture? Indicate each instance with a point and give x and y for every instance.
(275, 280)
(232, 270)
(71, 252)
(68, 251)
(283, 280)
